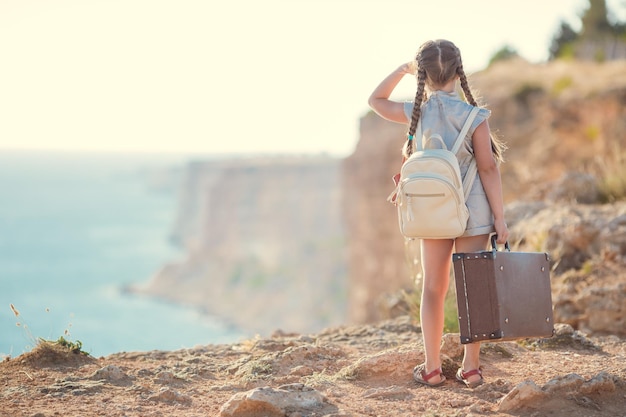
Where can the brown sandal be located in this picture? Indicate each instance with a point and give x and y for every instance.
(421, 377)
(462, 376)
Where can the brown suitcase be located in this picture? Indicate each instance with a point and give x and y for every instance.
(503, 295)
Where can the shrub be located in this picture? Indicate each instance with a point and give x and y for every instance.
(611, 173)
(561, 84)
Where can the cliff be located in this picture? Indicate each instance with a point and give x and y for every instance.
(265, 243)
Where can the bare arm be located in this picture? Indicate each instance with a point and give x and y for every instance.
(379, 99)
(489, 173)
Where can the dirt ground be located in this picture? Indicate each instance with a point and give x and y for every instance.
(358, 370)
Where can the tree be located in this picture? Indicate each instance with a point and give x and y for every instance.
(599, 39)
(562, 42)
(506, 52)
(595, 20)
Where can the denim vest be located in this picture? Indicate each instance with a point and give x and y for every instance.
(445, 113)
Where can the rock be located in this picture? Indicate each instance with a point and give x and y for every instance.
(451, 345)
(270, 402)
(587, 245)
(519, 211)
(572, 386)
(388, 393)
(74, 387)
(575, 187)
(165, 378)
(383, 364)
(563, 330)
(307, 355)
(585, 402)
(603, 382)
(111, 374)
(522, 395)
(608, 305)
(168, 395)
(567, 383)
(301, 371)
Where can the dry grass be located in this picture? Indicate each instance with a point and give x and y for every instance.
(54, 354)
(46, 353)
(611, 174)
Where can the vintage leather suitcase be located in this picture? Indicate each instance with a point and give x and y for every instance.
(503, 295)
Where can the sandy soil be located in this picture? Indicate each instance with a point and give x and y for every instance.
(359, 371)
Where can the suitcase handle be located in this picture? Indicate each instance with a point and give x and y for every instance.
(494, 245)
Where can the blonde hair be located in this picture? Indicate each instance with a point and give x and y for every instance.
(438, 62)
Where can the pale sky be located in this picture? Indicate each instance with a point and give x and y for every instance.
(225, 76)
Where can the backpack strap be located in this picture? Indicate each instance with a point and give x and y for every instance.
(464, 130)
(459, 140)
(418, 136)
(472, 170)
(469, 178)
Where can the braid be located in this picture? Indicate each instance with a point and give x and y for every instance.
(497, 147)
(467, 91)
(417, 110)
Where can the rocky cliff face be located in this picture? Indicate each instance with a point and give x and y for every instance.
(265, 243)
(376, 251)
(555, 118)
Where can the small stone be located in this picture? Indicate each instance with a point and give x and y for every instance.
(272, 402)
(388, 393)
(112, 374)
(525, 393)
(168, 395)
(451, 345)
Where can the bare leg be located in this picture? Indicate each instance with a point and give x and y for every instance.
(436, 261)
(471, 359)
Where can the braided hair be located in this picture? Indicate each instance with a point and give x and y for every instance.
(438, 62)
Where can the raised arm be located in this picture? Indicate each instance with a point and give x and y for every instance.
(379, 99)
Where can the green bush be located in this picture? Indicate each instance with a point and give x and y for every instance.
(503, 54)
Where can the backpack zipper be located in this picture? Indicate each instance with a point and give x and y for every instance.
(435, 177)
(450, 166)
(424, 195)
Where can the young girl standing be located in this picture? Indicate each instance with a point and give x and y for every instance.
(438, 67)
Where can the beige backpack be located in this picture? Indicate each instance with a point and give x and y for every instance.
(431, 195)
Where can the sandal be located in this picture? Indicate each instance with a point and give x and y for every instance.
(462, 376)
(421, 377)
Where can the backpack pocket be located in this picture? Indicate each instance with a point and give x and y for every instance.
(430, 206)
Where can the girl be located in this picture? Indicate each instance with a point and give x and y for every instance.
(438, 67)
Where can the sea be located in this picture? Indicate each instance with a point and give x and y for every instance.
(76, 230)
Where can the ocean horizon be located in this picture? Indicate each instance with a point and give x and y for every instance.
(76, 230)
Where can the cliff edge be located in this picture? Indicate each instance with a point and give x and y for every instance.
(265, 243)
(362, 370)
